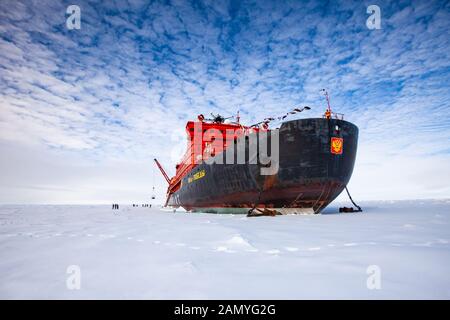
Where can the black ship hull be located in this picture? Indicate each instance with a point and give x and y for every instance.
(309, 174)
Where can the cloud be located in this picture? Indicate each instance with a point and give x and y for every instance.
(136, 71)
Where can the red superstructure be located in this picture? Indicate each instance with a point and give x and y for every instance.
(206, 138)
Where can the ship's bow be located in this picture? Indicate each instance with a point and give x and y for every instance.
(316, 160)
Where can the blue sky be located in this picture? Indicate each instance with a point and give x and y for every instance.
(83, 112)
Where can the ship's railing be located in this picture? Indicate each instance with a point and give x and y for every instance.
(186, 164)
(335, 115)
(339, 116)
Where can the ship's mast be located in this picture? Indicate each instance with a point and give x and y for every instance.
(328, 100)
(328, 112)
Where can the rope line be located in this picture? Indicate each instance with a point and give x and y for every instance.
(348, 193)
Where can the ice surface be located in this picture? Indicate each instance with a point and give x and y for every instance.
(157, 254)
